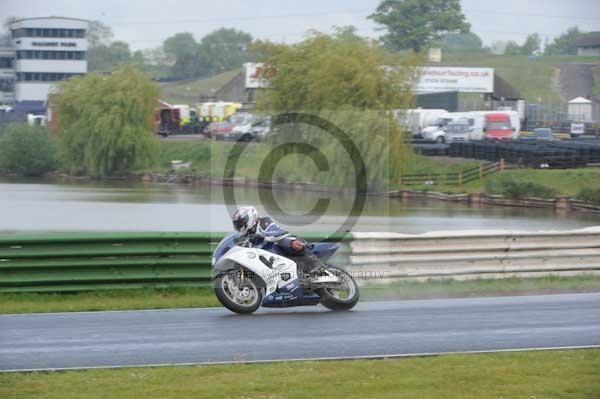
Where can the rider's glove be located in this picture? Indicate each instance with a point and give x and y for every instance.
(254, 239)
(297, 245)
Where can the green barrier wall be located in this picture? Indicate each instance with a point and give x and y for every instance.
(90, 261)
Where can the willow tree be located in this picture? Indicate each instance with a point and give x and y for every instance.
(105, 123)
(351, 82)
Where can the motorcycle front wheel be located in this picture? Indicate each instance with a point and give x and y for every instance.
(344, 298)
(239, 295)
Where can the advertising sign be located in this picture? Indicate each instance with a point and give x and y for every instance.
(254, 78)
(466, 80)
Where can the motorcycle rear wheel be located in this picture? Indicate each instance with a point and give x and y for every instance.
(332, 299)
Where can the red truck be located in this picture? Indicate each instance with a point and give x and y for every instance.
(498, 127)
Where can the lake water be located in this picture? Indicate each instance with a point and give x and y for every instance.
(32, 206)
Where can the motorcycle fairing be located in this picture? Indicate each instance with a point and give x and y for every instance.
(275, 274)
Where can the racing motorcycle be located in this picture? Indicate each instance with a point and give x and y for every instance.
(248, 276)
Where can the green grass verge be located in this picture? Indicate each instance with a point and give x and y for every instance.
(123, 299)
(565, 182)
(562, 181)
(573, 374)
(135, 299)
(452, 288)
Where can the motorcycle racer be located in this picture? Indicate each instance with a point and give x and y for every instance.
(263, 229)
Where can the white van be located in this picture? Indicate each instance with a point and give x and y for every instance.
(436, 131)
(415, 120)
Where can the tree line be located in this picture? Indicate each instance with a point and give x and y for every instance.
(178, 57)
(407, 25)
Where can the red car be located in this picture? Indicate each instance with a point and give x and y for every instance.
(218, 130)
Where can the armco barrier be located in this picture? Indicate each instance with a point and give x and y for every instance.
(77, 262)
(89, 261)
(467, 255)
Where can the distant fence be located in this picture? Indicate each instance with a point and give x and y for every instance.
(590, 129)
(532, 153)
(452, 178)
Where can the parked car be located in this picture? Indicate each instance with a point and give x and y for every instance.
(459, 130)
(436, 131)
(253, 131)
(218, 130)
(543, 133)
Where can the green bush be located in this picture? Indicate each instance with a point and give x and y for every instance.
(518, 189)
(590, 194)
(27, 150)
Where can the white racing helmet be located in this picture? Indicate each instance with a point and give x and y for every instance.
(245, 219)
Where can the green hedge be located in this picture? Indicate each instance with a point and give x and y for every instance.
(518, 189)
(590, 194)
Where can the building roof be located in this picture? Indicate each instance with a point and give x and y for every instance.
(580, 100)
(591, 39)
(50, 17)
(29, 107)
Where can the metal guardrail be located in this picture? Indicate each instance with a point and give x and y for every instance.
(91, 261)
(79, 262)
(465, 255)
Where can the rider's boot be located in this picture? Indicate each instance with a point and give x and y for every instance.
(312, 270)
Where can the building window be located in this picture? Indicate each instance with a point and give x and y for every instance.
(7, 84)
(50, 55)
(44, 76)
(6, 62)
(47, 32)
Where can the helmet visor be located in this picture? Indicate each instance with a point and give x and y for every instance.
(240, 222)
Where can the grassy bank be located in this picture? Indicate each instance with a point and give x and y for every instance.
(189, 92)
(208, 158)
(564, 182)
(573, 374)
(554, 182)
(533, 78)
(135, 299)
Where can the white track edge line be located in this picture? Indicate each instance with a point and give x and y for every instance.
(311, 359)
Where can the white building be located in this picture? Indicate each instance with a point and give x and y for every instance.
(7, 75)
(580, 109)
(47, 50)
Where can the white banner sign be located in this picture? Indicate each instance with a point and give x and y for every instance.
(254, 79)
(466, 80)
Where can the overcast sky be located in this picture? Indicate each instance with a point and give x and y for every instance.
(147, 23)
